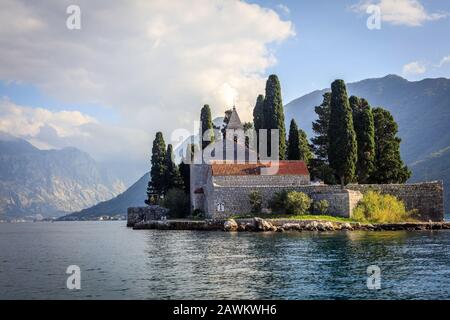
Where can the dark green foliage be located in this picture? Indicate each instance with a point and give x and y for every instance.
(319, 166)
(304, 147)
(293, 148)
(274, 113)
(297, 203)
(185, 175)
(389, 167)
(320, 128)
(321, 207)
(158, 170)
(177, 201)
(258, 117)
(278, 202)
(365, 136)
(226, 119)
(255, 199)
(172, 176)
(247, 126)
(258, 113)
(206, 123)
(342, 152)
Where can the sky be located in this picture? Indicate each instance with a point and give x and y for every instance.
(136, 67)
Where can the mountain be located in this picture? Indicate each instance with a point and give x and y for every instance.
(47, 183)
(134, 196)
(421, 109)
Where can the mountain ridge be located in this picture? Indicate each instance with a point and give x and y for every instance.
(47, 183)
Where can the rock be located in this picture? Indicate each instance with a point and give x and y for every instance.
(346, 226)
(262, 225)
(328, 226)
(292, 226)
(280, 229)
(312, 226)
(230, 225)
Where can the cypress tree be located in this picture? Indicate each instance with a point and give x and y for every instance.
(158, 170)
(342, 152)
(172, 175)
(258, 113)
(389, 167)
(206, 122)
(304, 147)
(258, 118)
(273, 114)
(320, 128)
(293, 150)
(319, 166)
(365, 136)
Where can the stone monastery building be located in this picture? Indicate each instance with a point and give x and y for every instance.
(221, 188)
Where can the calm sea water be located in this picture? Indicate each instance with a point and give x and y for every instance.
(119, 263)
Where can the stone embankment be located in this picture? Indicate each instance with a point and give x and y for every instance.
(280, 225)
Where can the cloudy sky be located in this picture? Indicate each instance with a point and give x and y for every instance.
(139, 66)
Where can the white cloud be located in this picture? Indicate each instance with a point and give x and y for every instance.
(151, 63)
(401, 12)
(444, 60)
(414, 68)
(284, 9)
(155, 62)
(48, 129)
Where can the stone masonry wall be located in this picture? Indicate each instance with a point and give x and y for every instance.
(138, 214)
(261, 180)
(426, 198)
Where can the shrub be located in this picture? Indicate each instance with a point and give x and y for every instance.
(297, 203)
(278, 201)
(255, 199)
(177, 202)
(380, 208)
(321, 207)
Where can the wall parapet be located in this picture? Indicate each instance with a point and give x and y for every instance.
(427, 197)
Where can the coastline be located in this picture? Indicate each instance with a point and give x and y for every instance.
(282, 225)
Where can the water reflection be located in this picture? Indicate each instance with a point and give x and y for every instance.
(119, 263)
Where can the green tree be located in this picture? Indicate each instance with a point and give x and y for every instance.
(255, 200)
(319, 166)
(207, 124)
(293, 146)
(365, 136)
(320, 128)
(172, 176)
(304, 147)
(342, 152)
(273, 114)
(258, 113)
(158, 170)
(258, 117)
(389, 167)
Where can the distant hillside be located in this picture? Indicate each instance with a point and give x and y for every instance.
(49, 183)
(134, 196)
(421, 108)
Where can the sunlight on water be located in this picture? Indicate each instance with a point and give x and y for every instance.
(119, 263)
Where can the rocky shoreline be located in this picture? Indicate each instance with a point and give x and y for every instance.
(281, 225)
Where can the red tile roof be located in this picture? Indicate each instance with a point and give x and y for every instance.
(285, 168)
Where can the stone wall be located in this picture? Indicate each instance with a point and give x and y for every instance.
(426, 198)
(261, 180)
(139, 214)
